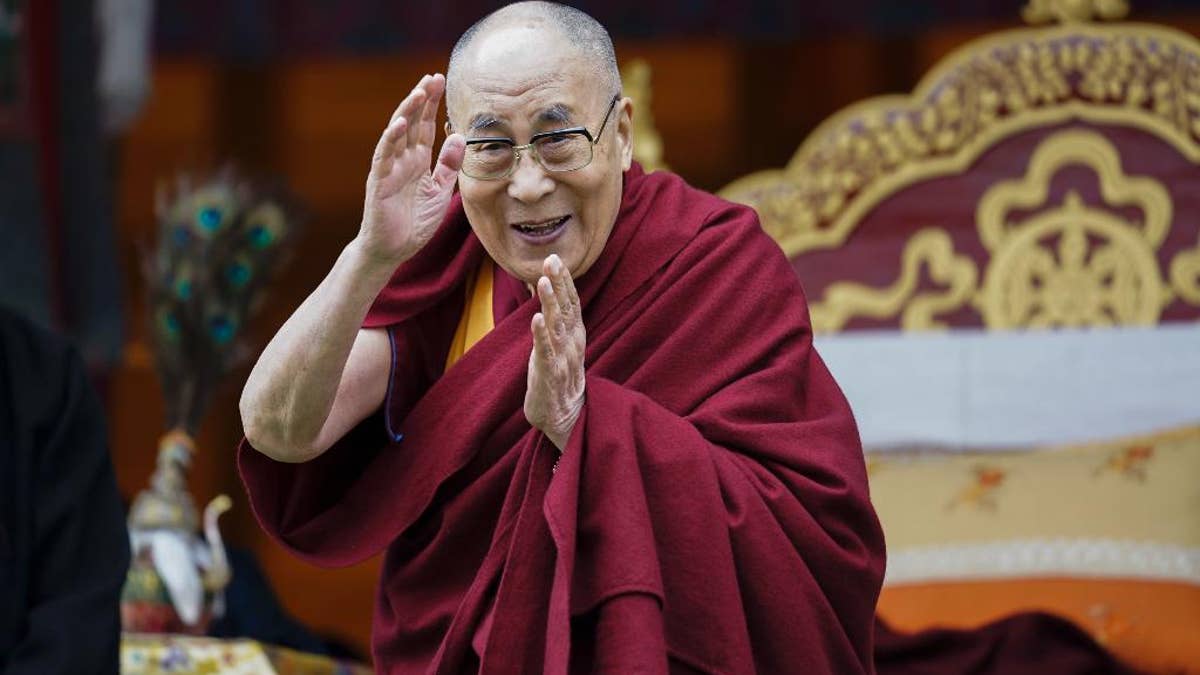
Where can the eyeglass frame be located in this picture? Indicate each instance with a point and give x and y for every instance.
(569, 131)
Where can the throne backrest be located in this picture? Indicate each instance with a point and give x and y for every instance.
(1040, 177)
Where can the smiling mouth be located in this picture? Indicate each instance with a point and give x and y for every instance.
(541, 228)
(543, 232)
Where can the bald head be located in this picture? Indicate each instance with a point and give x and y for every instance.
(588, 40)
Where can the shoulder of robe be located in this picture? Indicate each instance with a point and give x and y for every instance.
(705, 214)
(736, 229)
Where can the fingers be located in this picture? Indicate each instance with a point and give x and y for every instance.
(562, 314)
(413, 123)
(409, 112)
(568, 321)
(434, 90)
(572, 294)
(416, 112)
(556, 369)
(391, 143)
(564, 289)
(553, 313)
(398, 112)
(413, 102)
(449, 161)
(416, 130)
(543, 352)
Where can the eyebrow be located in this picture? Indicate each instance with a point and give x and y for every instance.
(482, 121)
(555, 114)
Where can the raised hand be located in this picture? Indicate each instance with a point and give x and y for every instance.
(555, 390)
(405, 201)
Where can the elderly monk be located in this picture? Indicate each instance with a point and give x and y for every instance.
(576, 404)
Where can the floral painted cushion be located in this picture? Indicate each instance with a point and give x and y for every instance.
(1106, 534)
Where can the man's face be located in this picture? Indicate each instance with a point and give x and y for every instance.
(518, 81)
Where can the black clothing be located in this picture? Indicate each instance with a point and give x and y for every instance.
(64, 548)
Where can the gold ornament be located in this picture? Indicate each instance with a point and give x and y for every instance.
(1073, 11)
(1067, 265)
(1134, 75)
(647, 143)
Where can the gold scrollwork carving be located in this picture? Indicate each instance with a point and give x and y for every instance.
(1135, 75)
(1073, 11)
(1065, 265)
(931, 248)
(1185, 275)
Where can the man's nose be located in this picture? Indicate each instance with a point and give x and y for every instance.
(529, 181)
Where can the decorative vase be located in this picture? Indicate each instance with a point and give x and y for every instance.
(176, 579)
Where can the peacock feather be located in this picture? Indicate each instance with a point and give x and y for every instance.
(218, 242)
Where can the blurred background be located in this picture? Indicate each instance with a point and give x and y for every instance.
(95, 112)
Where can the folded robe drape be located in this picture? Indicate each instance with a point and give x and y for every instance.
(1021, 644)
(709, 514)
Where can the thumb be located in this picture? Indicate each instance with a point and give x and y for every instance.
(449, 160)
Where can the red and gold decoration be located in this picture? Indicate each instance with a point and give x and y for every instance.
(1036, 178)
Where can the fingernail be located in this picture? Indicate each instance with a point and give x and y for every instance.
(555, 264)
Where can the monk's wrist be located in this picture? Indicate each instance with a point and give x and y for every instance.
(560, 435)
(370, 268)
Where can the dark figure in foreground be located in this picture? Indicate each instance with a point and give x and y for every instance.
(64, 549)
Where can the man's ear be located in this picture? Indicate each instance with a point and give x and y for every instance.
(625, 131)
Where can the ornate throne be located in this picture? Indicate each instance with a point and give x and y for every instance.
(1003, 270)
(1041, 177)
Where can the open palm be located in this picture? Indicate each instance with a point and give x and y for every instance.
(405, 201)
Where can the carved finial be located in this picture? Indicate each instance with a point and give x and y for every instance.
(647, 144)
(1073, 11)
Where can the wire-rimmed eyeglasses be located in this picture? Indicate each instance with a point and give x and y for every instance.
(495, 158)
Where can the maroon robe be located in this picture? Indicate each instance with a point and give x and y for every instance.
(710, 512)
(1027, 643)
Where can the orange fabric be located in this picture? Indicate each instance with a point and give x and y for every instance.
(477, 320)
(1151, 625)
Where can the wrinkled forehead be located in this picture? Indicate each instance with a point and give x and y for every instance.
(520, 74)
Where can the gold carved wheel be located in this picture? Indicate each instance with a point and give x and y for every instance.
(1068, 264)
(1072, 264)
(1050, 274)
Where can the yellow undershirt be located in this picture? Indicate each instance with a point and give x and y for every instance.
(476, 318)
